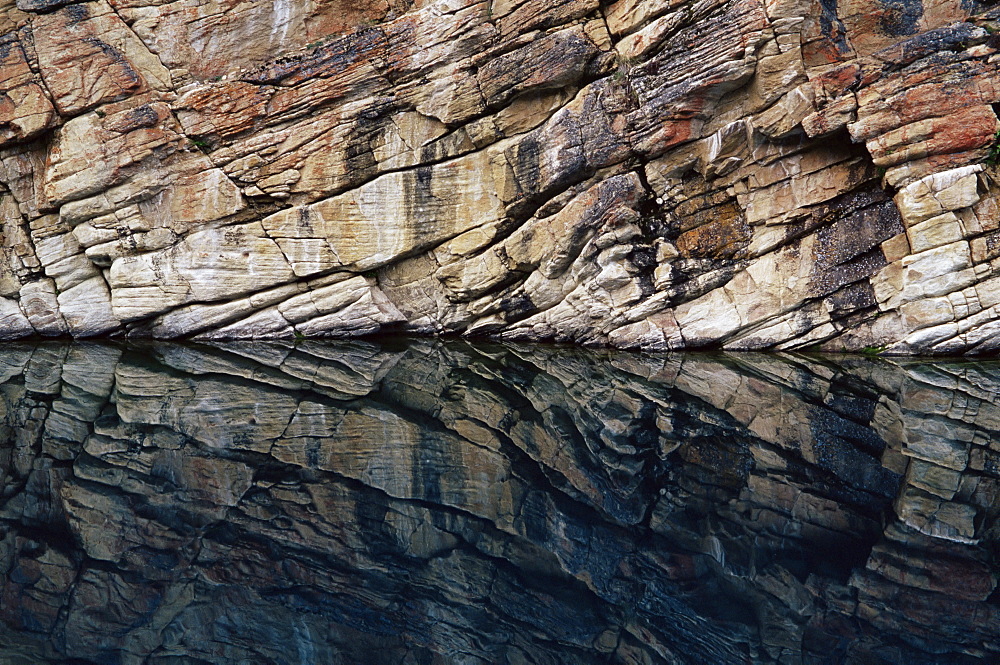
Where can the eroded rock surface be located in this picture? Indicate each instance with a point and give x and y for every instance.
(451, 503)
(657, 174)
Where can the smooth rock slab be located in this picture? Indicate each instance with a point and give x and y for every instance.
(391, 217)
(217, 264)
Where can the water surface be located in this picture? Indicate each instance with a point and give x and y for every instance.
(435, 503)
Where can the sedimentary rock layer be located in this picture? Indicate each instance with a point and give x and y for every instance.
(650, 174)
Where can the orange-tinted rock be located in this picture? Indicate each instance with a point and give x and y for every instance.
(964, 130)
(222, 110)
(87, 56)
(724, 235)
(25, 108)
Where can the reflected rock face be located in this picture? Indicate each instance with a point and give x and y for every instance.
(439, 502)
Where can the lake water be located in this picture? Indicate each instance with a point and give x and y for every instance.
(429, 503)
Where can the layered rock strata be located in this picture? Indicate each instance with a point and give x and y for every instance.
(650, 174)
(461, 504)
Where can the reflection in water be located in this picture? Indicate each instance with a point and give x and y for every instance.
(441, 503)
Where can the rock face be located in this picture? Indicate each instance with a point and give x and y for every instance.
(452, 503)
(657, 174)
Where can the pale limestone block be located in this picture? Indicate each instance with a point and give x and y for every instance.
(624, 16)
(86, 308)
(958, 188)
(54, 249)
(308, 256)
(40, 306)
(820, 333)
(105, 254)
(937, 261)
(776, 203)
(401, 143)
(364, 316)
(395, 214)
(934, 232)
(71, 272)
(788, 9)
(325, 299)
(453, 99)
(987, 333)
(896, 247)
(13, 323)
(545, 292)
(211, 265)
(465, 244)
(888, 282)
(657, 333)
(89, 235)
(988, 292)
(926, 337)
(638, 44)
(938, 193)
(916, 202)
(711, 317)
(266, 324)
(196, 318)
(927, 312)
(961, 305)
(937, 286)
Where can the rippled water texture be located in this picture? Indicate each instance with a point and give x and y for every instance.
(431, 503)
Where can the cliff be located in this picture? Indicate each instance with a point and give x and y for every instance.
(650, 174)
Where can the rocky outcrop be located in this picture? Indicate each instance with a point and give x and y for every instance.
(657, 174)
(452, 503)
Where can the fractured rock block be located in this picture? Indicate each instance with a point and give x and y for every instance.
(25, 108)
(92, 154)
(87, 56)
(390, 217)
(211, 265)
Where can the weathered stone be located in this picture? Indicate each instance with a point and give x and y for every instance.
(939, 193)
(25, 108)
(13, 323)
(651, 174)
(206, 266)
(934, 232)
(93, 153)
(40, 305)
(87, 55)
(86, 308)
(379, 222)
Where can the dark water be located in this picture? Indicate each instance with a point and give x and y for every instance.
(433, 503)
